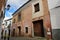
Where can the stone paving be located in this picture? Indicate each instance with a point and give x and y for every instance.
(26, 38)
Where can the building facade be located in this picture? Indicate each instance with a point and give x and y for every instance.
(32, 19)
(2, 8)
(55, 18)
(6, 25)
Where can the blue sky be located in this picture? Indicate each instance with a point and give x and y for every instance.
(15, 4)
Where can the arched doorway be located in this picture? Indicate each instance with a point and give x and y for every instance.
(19, 30)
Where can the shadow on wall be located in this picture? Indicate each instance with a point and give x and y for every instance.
(56, 34)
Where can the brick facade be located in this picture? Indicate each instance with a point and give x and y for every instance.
(29, 17)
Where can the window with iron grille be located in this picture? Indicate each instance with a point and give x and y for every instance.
(36, 6)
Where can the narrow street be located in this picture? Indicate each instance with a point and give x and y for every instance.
(30, 20)
(24, 38)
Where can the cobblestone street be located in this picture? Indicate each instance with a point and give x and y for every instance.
(24, 38)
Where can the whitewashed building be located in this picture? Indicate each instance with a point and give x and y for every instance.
(54, 6)
(7, 25)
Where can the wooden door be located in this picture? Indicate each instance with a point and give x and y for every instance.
(38, 28)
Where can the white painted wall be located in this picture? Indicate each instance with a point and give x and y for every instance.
(54, 13)
(53, 3)
(55, 18)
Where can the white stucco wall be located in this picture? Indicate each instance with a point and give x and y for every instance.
(55, 18)
(53, 3)
(54, 13)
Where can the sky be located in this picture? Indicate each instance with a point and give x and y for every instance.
(15, 4)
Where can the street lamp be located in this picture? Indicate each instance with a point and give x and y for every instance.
(8, 7)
